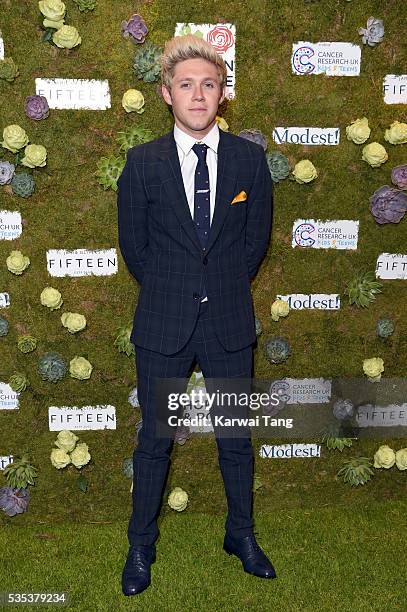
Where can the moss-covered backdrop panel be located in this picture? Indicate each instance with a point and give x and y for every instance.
(70, 210)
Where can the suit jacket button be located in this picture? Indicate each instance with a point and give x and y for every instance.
(196, 296)
(205, 261)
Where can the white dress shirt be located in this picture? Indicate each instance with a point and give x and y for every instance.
(188, 161)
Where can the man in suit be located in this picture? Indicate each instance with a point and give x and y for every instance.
(194, 220)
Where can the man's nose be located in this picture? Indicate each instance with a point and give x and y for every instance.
(198, 92)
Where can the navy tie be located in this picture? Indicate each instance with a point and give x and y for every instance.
(201, 196)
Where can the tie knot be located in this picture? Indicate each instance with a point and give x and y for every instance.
(200, 150)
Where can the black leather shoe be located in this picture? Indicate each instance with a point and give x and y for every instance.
(253, 559)
(136, 576)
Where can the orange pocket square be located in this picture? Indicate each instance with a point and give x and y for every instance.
(241, 197)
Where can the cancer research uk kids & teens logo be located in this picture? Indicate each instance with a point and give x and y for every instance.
(331, 58)
(335, 234)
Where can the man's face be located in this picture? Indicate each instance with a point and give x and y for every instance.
(195, 95)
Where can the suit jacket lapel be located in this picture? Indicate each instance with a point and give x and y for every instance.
(226, 180)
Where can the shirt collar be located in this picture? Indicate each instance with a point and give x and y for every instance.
(186, 142)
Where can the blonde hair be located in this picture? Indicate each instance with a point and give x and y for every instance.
(186, 47)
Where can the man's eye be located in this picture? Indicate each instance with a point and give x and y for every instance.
(184, 84)
(209, 84)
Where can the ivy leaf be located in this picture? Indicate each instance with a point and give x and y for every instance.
(82, 483)
(47, 36)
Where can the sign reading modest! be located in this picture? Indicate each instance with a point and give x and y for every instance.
(81, 262)
(320, 301)
(306, 135)
(317, 234)
(5, 460)
(391, 265)
(395, 89)
(222, 36)
(88, 94)
(330, 58)
(87, 417)
(289, 451)
(10, 224)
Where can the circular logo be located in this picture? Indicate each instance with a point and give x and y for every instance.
(221, 38)
(301, 60)
(300, 235)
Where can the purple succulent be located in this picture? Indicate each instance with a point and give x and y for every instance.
(399, 176)
(254, 135)
(388, 205)
(13, 501)
(136, 28)
(36, 107)
(182, 433)
(6, 172)
(373, 33)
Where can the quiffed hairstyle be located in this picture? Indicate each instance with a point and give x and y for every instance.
(186, 47)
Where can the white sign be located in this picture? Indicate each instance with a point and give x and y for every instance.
(317, 234)
(87, 417)
(288, 451)
(321, 301)
(81, 262)
(395, 89)
(330, 58)
(382, 416)
(222, 36)
(391, 265)
(1, 47)
(4, 300)
(10, 224)
(306, 135)
(87, 94)
(302, 390)
(5, 460)
(8, 397)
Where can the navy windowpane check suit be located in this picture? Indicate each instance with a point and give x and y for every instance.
(172, 328)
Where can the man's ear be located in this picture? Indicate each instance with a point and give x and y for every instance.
(166, 94)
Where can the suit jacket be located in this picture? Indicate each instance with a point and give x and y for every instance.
(159, 244)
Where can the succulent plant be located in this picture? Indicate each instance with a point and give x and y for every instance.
(36, 107)
(122, 341)
(388, 204)
(52, 367)
(373, 33)
(384, 328)
(259, 328)
(277, 349)
(182, 434)
(13, 501)
(6, 172)
(8, 69)
(109, 170)
(23, 184)
(254, 135)
(86, 5)
(19, 382)
(133, 398)
(362, 289)
(356, 471)
(279, 166)
(399, 176)
(343, 409)
(3, 326)
(20, 473)
(26, 343)
(334, 441)
(127, 467)
(135, 28)
(135, 135)
(146, 62)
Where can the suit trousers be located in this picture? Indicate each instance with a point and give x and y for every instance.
(151, 458)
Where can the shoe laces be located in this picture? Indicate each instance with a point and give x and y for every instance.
(138, 558)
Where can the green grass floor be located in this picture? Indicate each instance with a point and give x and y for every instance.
(347, 558)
